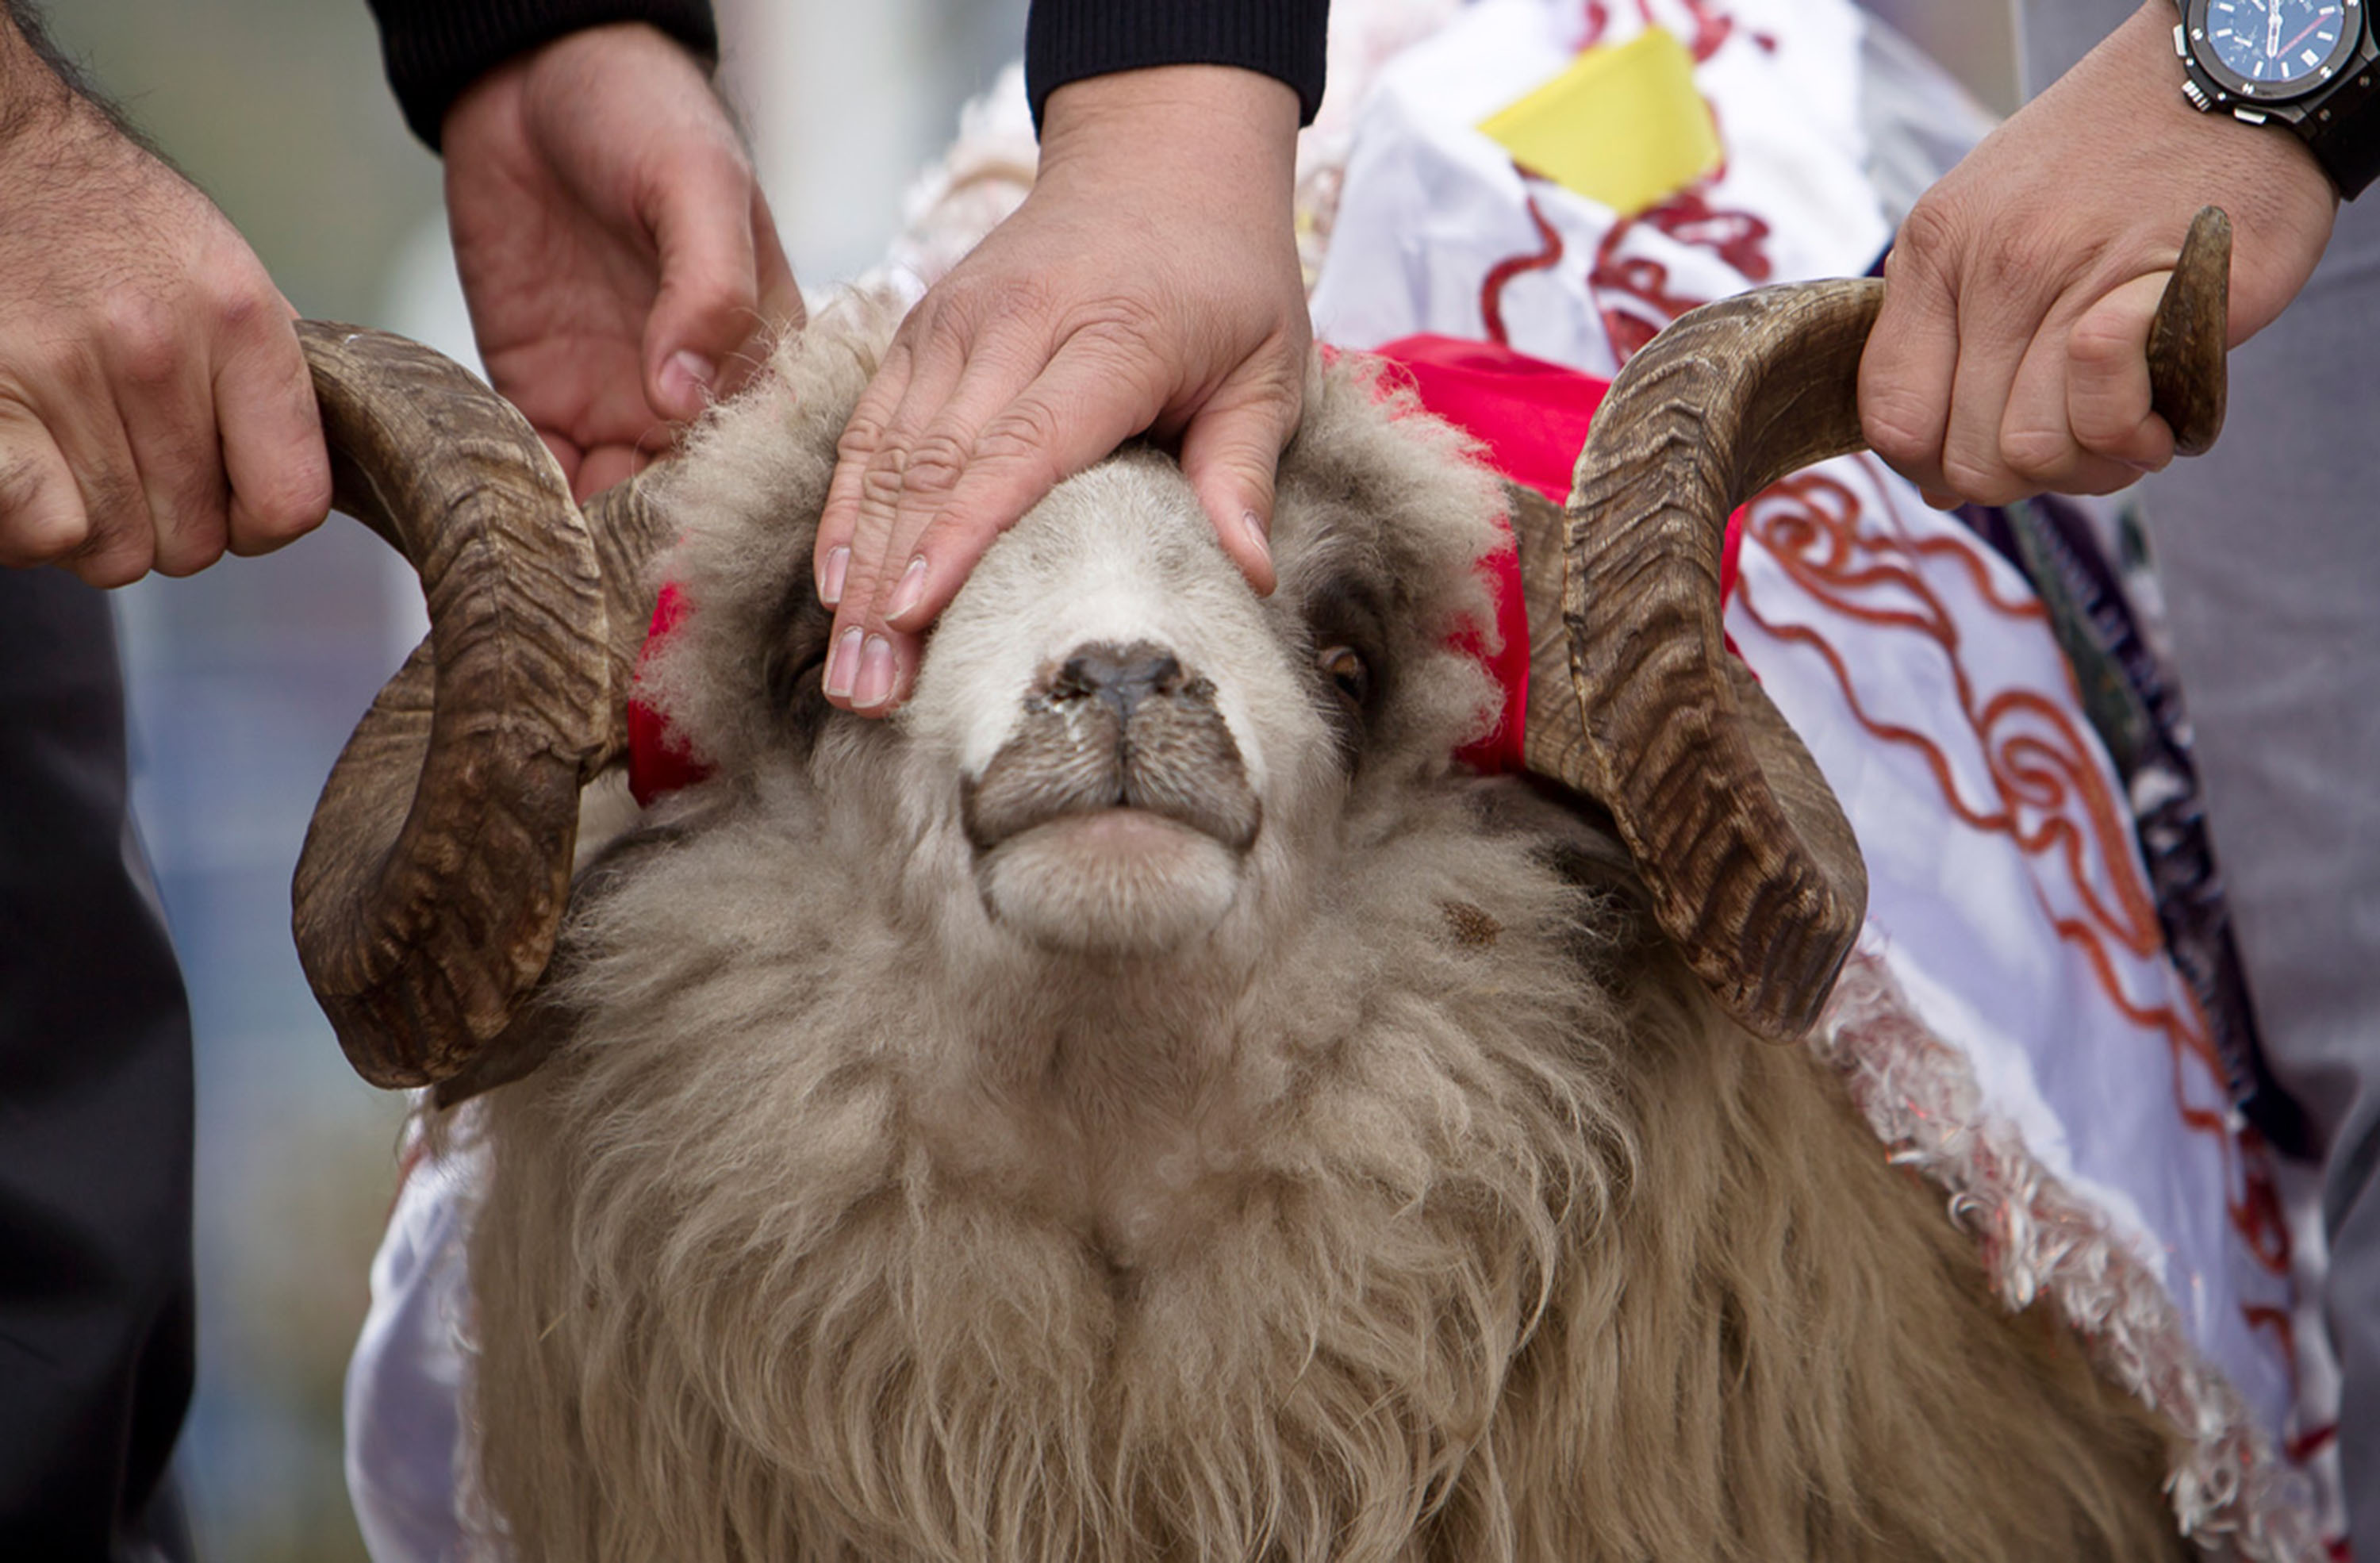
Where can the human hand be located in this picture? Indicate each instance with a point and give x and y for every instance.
(155, 407)
(1149, 282)
(617, 254)
(2011, 354)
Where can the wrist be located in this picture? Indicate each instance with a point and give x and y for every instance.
(1215, 131)
(2228, 155)
(2302, 76)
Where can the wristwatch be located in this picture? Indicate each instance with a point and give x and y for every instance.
(2310, 66)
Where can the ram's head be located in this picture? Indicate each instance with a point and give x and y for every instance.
(1117, 747)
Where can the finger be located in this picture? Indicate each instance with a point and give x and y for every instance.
(708, 309)
(871, 673)
(916, 445)
(1992, 347)
(886, 456)
(1066, 420)
(120, 541)
(273, 453)
(2109, 396)
(864, 435)
(1909, 369)
(167, 403)
(2038, 445)
(1230, 454)
(887, 573)
(42, 516)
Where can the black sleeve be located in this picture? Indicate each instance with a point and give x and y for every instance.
(436, 48)
(1068, 40)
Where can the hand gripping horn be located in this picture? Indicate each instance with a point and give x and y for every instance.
(1752, 869)
(436, 870)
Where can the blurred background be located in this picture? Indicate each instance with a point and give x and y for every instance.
(246, 679)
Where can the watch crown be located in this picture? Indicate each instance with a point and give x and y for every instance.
(2197, 96)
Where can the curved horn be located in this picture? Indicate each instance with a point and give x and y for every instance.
(1751, 866)
(434, 875)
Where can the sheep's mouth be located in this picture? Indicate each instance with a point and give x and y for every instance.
(1174, 760)
(1010, 801)
(1112, 827)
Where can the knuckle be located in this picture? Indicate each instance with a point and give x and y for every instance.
(881, 483)
(112, 567)
(1900, 429)
(934, 464)
(862, 437)
(1979, 480)
(113, 555)
(116, 500)
(1930, 239)
(978, 302)
(1023, 432)
(279, 512)
(148, 341)
(239, 309)
(33, 533)
(2036, 454)
(191, 546)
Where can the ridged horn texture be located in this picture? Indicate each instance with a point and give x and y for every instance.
(1751, 866)
(2190, 334)
(436, 870)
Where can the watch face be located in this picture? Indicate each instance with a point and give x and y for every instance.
(2276, 48)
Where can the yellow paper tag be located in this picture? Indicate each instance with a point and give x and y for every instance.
(1622, 126)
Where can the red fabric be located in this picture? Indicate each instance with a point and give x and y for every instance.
(1530, 414)
(659, 760)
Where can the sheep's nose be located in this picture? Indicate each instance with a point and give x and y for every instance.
(1119, 677)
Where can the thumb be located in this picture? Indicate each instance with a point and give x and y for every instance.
(2107, 391)
(1231, 452)
(706, 322)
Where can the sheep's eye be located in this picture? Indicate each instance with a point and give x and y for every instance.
(1348, 672)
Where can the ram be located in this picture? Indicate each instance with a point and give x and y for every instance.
(1145, 1100)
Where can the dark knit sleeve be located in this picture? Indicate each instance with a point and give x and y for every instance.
(1068, 40)
(434, 49)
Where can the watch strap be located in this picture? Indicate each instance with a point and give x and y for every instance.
(2344, 134)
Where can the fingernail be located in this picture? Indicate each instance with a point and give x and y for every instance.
(687, 378)
(843, 666)
(875, 675)
(912, 587)
(838, 563)
(1253, 525)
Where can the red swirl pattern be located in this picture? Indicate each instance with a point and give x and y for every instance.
(2048, 796)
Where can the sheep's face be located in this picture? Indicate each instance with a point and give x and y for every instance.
(1113, 708)
(1115, 747)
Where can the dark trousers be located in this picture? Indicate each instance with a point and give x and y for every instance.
(96, 1291)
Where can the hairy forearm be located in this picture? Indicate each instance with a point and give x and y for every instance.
(39, 83)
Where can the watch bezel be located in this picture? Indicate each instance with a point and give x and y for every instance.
(2233, 87)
